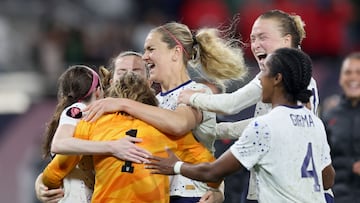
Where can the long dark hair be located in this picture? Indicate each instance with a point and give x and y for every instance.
(75, 84)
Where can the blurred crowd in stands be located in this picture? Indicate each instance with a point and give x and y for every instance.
(47, 36)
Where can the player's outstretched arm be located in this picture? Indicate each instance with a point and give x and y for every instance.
(177, 123)
(225, 165)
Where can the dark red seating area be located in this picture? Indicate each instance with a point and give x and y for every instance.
(327, 22)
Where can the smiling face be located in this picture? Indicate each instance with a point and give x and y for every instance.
(350, 78)
(157, 57)
(266, 37)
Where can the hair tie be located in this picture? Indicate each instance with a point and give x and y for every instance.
(195, 42)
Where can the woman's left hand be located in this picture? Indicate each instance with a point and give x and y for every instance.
(159, 165)
(100, 107)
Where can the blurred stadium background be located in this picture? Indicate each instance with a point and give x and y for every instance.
(39, 39)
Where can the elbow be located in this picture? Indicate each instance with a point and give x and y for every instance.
(328, 177)
(56, 148)
(329, 185)
(229, 111)
(202, 172)
(179, 132)
(210, 175)
(61, 146)
(213, 178)
(50, 179)
(179, 129)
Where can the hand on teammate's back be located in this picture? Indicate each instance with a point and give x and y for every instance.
(97, 108)
(126, 149)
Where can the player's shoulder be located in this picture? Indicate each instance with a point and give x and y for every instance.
(261, 121)
(276, 115)
(75, 110)
(198, 86)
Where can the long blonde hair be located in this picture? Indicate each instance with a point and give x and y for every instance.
(220, 58)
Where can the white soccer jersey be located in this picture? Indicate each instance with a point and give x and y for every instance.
(262, 109)
(79, 183)
(206, 130)
(231, 103)
(287, 149)
(180, 185)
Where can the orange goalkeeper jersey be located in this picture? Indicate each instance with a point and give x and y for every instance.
(124, 181)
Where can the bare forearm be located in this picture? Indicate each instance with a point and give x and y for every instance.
(78, 146)
(201, 172)
(65, 143)
(215, 171)
(167, 121)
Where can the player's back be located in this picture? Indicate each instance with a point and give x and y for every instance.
(123, 181)
(292, 169)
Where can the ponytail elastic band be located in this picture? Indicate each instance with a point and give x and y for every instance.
(195, 42)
